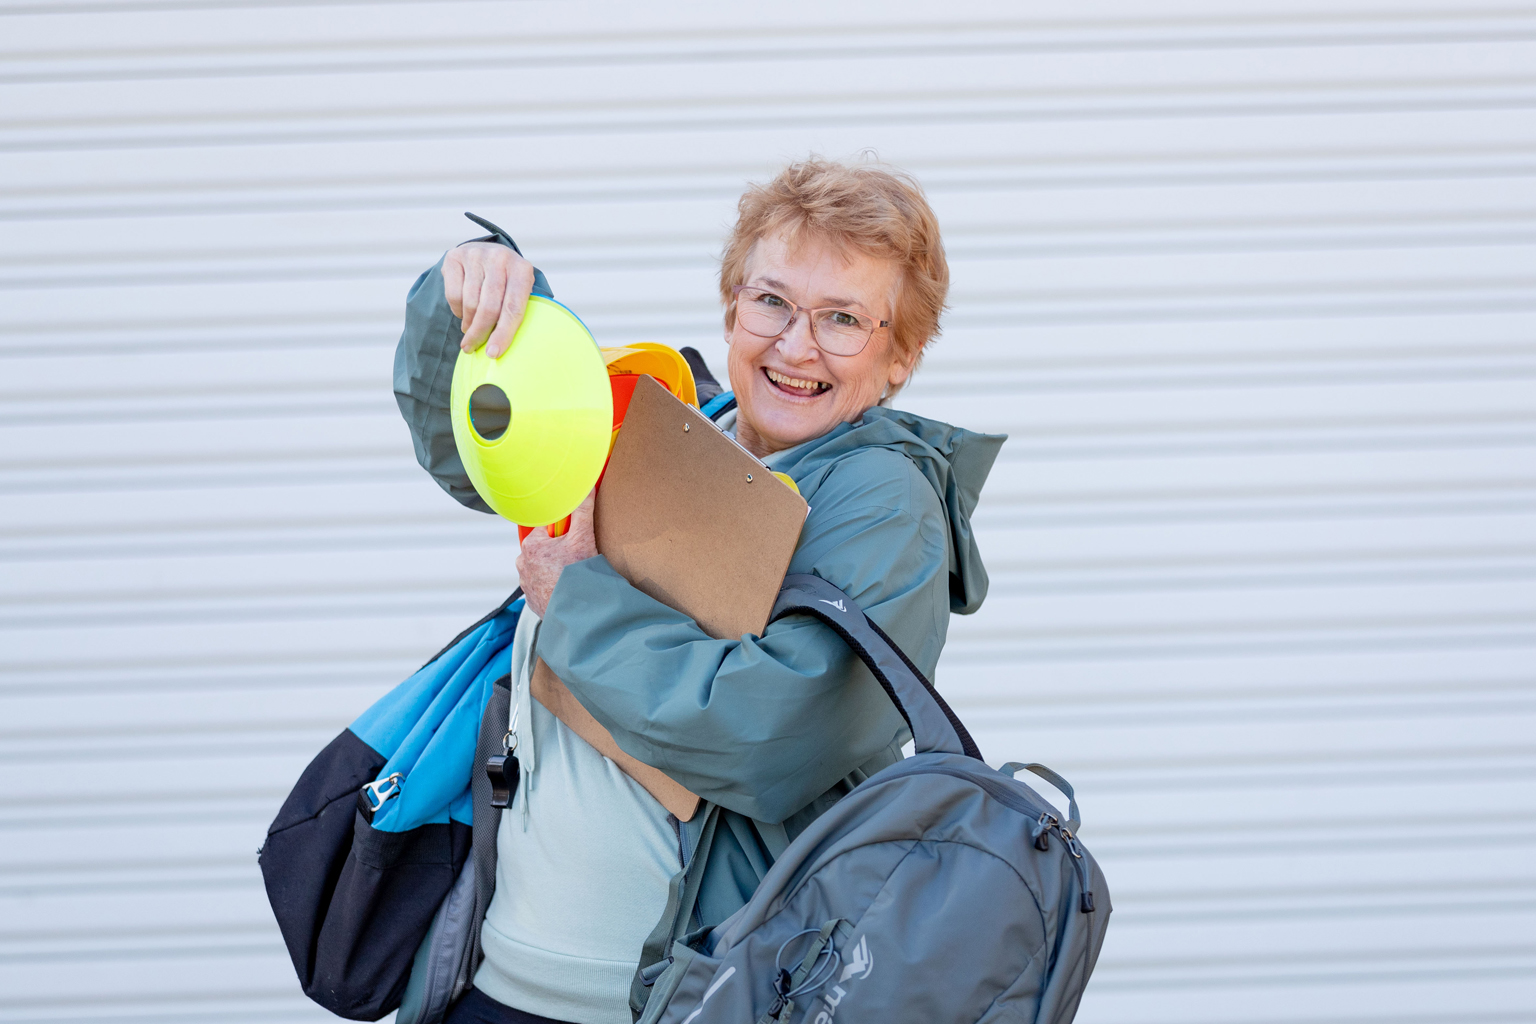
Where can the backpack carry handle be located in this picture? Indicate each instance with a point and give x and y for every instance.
(935, 728)
(1012, 769)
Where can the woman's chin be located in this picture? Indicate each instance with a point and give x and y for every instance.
(785, 428)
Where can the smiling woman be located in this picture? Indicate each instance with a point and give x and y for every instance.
(865, 237)
(833, 282)
(801, 380)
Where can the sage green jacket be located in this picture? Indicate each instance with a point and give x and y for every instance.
(772, 728)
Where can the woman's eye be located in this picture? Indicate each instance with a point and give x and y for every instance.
(770, 299)
(843, 318)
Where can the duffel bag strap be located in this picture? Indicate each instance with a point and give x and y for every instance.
(487, 817)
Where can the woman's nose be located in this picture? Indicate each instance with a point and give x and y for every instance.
(797, 343)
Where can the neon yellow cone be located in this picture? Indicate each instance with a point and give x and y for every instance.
(533, 426)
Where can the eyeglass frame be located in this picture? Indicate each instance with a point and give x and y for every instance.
(795, 309)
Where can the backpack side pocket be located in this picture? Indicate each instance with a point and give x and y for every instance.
(689, 972)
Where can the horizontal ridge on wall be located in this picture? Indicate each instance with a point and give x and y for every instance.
(366, 190)
(1319, 300)
(111, 268)
(1255, 569)
(203, 731)
(57, 135)
(133, 384)
(428, 48)
(1387, 964)
(1320, 834)
(1342, 501)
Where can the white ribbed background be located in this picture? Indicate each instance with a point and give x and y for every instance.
(1252, 286)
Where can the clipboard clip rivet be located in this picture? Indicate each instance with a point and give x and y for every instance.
(749, 478)
(685, 428)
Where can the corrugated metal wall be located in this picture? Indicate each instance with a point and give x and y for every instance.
(1250, 286)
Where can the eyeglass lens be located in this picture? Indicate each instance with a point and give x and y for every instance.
(837, 330)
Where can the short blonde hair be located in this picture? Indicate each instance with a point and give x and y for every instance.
(876, 210)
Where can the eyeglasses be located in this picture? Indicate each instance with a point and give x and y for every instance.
(840, 332)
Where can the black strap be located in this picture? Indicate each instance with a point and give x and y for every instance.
(487, 822)
(934, 726)
(703, 381)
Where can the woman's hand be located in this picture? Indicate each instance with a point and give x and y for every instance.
(487, 286)
(543, 557)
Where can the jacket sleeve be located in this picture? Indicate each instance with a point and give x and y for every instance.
(424, 360)
(763, 725)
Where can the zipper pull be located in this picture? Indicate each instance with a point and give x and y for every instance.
(781, 986)
(1040, 833)
(1085, 899)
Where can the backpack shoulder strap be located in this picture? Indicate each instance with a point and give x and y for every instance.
(682, 897)
(934, 726)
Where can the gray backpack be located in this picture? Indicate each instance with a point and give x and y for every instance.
(938, 890)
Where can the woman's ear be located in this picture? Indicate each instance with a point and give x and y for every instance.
(901, 369)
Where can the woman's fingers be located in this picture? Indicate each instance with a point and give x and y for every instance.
(581, 537)
(542, 557)
(493, 287)
(474, 275)
(539, 563)
(514, 303)
(533, 570)
(487, 286)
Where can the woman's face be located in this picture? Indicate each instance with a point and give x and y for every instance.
(787, 389)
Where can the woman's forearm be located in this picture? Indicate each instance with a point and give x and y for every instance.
(760, 725)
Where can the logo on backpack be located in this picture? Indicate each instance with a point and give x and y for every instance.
(861, 963)
(838, 604)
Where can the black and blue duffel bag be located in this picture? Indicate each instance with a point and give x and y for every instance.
(379, 840)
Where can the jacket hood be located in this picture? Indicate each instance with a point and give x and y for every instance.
(954, 461)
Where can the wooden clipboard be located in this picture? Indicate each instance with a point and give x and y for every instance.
(693, 519)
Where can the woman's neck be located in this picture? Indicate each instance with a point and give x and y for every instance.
(752, 441)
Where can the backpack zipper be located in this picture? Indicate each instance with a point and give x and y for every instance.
(1012, 799)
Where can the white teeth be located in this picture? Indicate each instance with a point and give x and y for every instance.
(796, 382)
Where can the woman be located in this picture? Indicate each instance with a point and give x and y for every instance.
(833, 281)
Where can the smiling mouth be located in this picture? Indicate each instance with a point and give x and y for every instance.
(796, 385)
